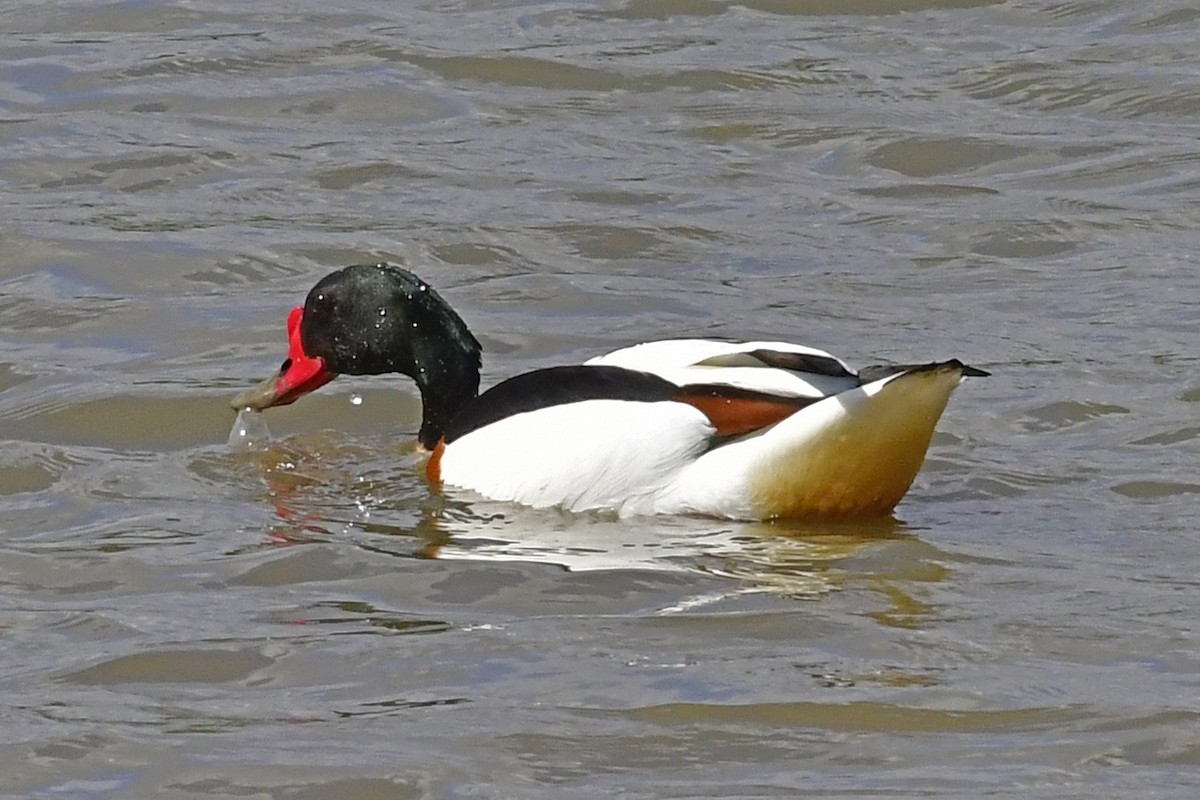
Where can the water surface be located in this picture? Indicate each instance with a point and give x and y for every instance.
(1012, 183)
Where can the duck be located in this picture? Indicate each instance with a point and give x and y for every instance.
(756, 430)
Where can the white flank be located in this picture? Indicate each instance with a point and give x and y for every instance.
(684, 361)
(851, 455)
(596, 454)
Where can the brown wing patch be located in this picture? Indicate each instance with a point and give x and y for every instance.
(433, 467)
(734, 411)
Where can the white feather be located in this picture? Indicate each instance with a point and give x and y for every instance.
(850, 454)
(594, 454)
(684, 361)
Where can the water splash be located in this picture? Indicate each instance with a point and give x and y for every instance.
(249, 432)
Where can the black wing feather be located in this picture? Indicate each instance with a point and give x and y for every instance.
(555, 386)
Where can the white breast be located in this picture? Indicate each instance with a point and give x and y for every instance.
(595, 454)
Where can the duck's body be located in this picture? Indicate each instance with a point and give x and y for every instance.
(741, 430)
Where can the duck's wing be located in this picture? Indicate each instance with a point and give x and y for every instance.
(780, 368)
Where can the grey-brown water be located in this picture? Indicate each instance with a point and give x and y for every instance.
(1013, 183)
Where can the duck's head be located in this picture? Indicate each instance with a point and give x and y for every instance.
(371, 319)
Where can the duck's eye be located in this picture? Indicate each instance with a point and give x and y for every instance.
(287, 364)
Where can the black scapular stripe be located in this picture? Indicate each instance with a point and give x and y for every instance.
(802, 362)
(555, 386)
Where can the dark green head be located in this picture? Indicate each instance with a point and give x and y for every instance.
(371, 319)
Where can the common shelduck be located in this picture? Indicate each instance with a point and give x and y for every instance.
(743, 430)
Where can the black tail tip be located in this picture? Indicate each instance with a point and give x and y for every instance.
(966, 370)
(880, 371)
(974, 372)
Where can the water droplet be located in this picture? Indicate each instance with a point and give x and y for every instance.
(424, 287)
(356, 399)
(249, 432)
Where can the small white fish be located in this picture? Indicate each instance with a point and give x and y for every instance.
(249, 432)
